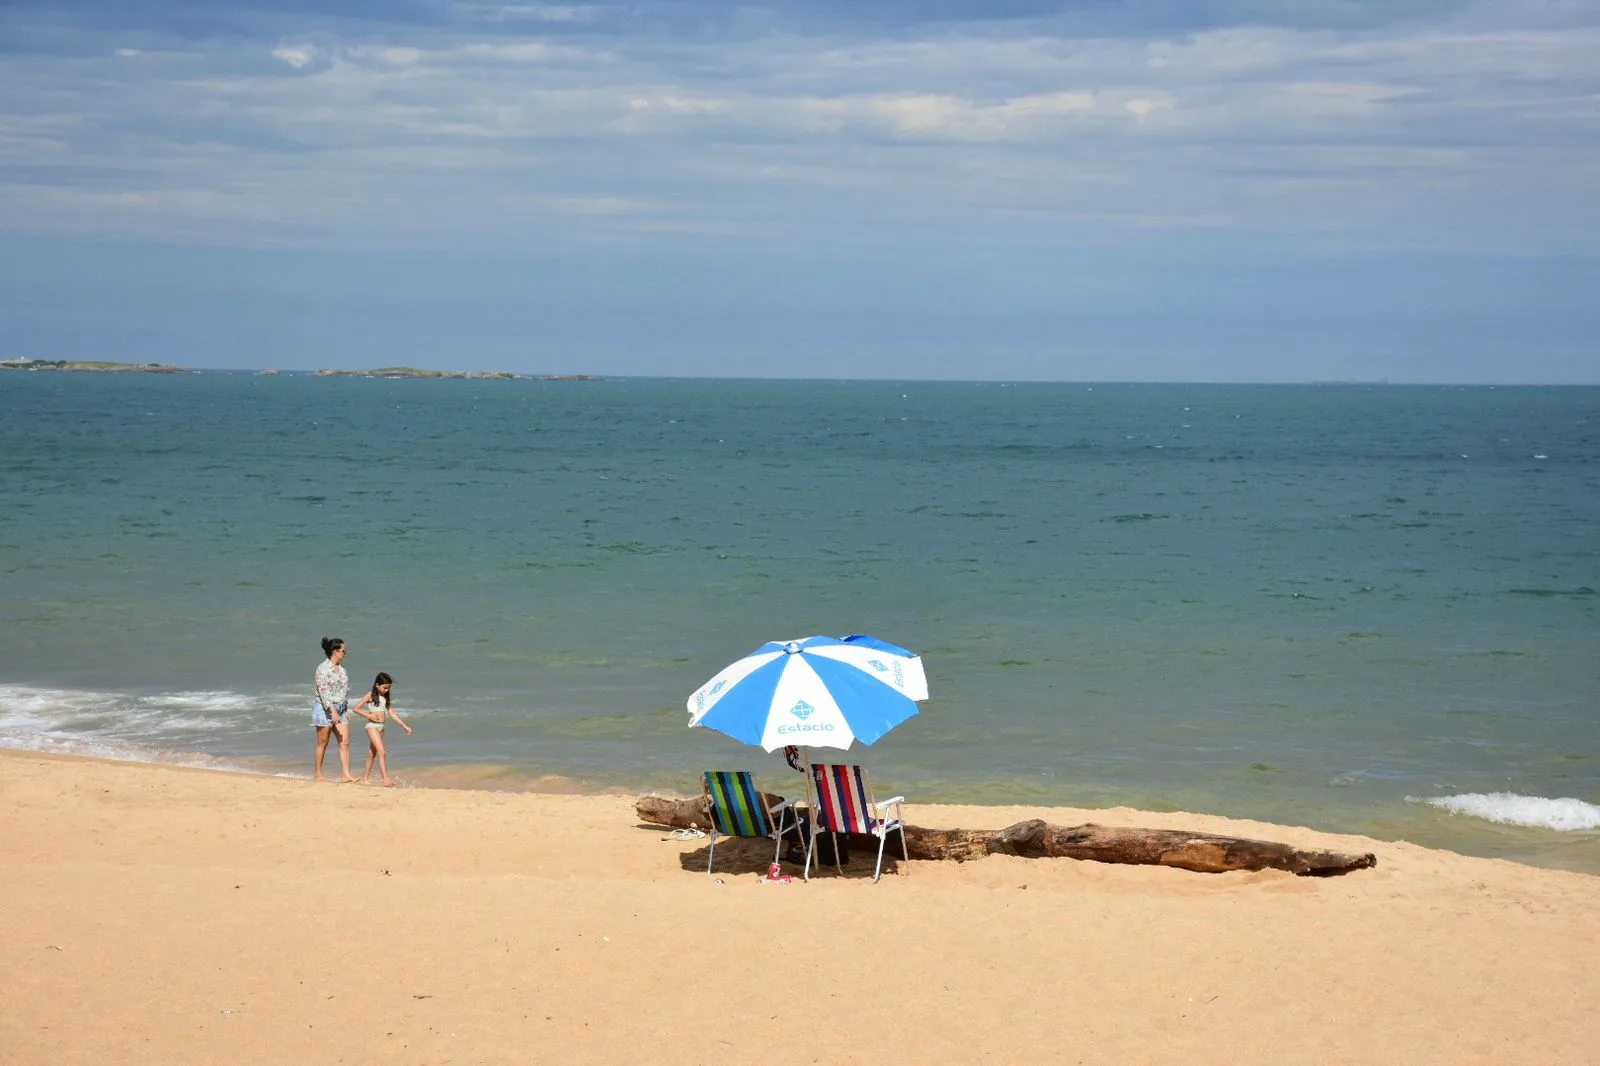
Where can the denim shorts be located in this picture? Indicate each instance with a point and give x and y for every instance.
(319, 714)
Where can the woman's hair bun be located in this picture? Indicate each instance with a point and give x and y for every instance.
(331, 645)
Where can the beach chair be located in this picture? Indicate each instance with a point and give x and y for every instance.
(739, 810)
(844, 804)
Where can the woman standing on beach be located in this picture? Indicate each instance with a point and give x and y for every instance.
(376, 707)
(327, 714)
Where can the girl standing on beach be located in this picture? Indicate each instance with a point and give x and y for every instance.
(327, 714)
(376, 709)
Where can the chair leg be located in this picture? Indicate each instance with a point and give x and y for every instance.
(877, 871)
(810, 843)
(713, 856)
(905, 852)
(836, 864)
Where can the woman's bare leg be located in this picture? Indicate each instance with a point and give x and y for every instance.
(323, 732)
(344, 749)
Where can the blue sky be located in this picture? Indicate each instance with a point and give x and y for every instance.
(1221, 190)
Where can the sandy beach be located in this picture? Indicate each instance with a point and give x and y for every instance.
(167, 915)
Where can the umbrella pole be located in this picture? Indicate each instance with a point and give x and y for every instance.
(811, 811)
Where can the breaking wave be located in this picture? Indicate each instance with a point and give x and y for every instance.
(1508, 808)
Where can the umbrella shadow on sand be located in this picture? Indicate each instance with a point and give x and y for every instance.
(738, 856)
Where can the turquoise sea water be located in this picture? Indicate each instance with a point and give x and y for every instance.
(1315, 605)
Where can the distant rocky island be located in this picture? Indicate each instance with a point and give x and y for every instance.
(92, 366)
(103, 367)
(467, 375)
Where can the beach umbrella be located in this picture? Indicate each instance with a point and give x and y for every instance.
(818, 692)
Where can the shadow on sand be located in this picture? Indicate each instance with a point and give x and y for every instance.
(752, 855)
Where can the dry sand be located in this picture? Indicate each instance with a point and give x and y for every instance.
(164, 915)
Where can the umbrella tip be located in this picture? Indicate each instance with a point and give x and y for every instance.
(793, 647)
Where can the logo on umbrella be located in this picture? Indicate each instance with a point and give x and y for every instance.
(802, 710)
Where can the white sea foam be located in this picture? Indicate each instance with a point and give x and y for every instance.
(1512, 809)
(121, 723)
(162, 727)
(127, 714)
(169, 727)
(187, 728)
(107, 749)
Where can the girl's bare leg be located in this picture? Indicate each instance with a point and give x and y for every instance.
(372, 752)
(322, 749)
(383, 758)
(344, 750)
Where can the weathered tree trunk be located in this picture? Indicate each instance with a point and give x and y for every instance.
(958, 844)
(1202, 852)
(677, 813)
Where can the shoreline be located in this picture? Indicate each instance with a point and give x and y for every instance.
(1536, 847)
(987, 816)
(173, 915)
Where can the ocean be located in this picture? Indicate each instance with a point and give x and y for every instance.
(1369, 609)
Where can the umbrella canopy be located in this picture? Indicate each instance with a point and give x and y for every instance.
(819, 692)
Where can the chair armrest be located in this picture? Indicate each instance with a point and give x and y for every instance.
(785, 805)
(893, 801)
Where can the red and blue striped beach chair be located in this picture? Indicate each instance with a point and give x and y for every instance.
(738, 809)
(844, 804)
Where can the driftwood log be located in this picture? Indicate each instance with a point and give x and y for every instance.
(1035, 839)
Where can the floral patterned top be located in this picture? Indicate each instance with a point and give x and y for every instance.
(333, 685)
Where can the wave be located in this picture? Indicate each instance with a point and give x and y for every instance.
(160, 727)
(190, 727)
(77, 710)
(1509, 808)
(122, 752)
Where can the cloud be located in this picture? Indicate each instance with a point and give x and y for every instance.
(298, 56)
(565, 13)
(521, 52)
(1474, 127)
(600, 205)
(81, 200)
(944, 116)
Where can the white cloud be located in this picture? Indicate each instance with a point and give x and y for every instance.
(80, 199)
(1425, 134)
(298, 56)
(519, 52)
(674, 104)
(599, 205)
(532, 12)
(1235, 51)
(940, 116)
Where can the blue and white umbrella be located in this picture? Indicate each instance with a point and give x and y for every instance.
(817, 692)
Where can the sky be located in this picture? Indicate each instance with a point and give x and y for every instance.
(1152, 190)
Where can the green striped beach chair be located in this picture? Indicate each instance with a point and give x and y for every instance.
(738, 810)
